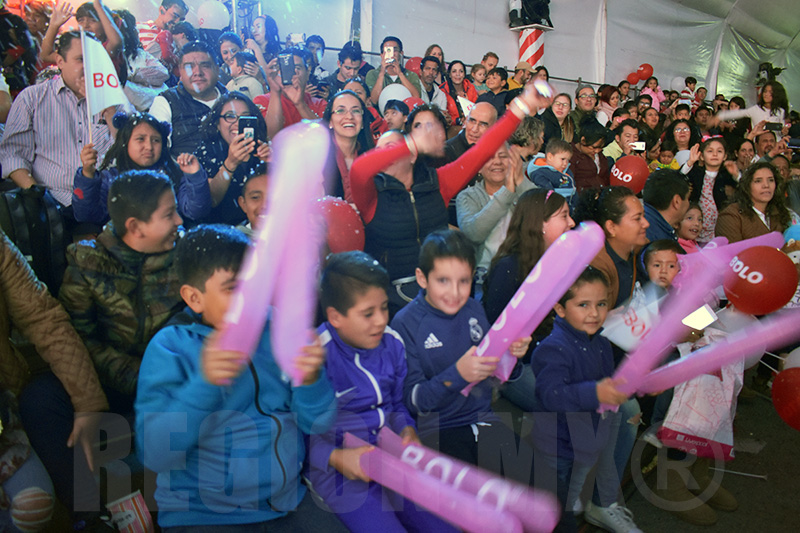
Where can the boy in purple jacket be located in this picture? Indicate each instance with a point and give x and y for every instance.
(366, 366)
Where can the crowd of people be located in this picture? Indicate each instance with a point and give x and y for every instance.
(463, 176)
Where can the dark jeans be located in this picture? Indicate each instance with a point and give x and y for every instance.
(307, 518)
(47, 414)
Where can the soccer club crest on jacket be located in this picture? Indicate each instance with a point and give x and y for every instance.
(475, 330)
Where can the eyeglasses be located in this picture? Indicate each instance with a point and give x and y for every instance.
(587, 96)
(356, 111)
(230, 117)
(561, 104)
(682, 130)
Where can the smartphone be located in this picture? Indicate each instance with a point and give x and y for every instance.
(247, 125)
(286, 66)
(388, 54)
(638, 146)
(794, 143)
(297, 38)
(773, 126)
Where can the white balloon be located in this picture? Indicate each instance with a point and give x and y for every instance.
(792, 360)
(395, 91)
(730, 321)
(213, 15)
(678, 83)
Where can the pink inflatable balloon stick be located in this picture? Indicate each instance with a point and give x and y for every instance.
(552, 276)
(457, 507)
(537, 511)
(778, 330)
(280, 269)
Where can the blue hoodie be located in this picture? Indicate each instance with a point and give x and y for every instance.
(224, 455)
(547, 177)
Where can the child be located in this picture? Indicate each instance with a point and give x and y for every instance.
(253, 201)
(366, 365)
(652, 88)
(661, 262)
(395, 113)
(441, 329)
(141, 144)
(121, 288)
(241, 81)
(712, 182)
(552, 171)
(690, 227)
(666, 157)
(573, 366)
(478, 75)
(687, 94)
(223, 430)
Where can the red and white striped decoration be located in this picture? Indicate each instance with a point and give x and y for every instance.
(531, 46)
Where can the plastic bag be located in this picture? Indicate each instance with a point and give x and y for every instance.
(626, 325)
(700, 418)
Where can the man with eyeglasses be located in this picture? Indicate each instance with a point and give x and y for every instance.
(185, 105)
(585, 102)
(288, 103)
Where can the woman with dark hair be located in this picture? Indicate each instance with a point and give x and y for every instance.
(588, 164)
(228, 156)
(141, 144)
(759, 205)
(684, 136)
(345, 118)
(744, 154)
(229, 45)
(624, 88)
(373, 121)
(557, 122)
(649, 123)
(402, 199)
(147, 76)
(541, 73)
(772, 106)
(539, 218)
(264, 41)
(608, 97)
(456, 84)
(734, 130)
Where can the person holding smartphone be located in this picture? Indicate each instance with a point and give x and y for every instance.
(287, 77)
(392, 71)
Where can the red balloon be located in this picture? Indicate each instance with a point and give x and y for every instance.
(630, 171)
(413, 64)
(645, 71)
(760, 280)
(633, 78)
(786, 396)
(413, 102)
(345, 228)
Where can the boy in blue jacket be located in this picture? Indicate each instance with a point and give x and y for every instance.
(552, 172)
(224, 433)
(366, 365)
(441, 329)
(573, 366)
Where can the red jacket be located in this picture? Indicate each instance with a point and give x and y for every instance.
(452, 108)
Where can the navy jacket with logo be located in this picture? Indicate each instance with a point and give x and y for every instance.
(435, 341)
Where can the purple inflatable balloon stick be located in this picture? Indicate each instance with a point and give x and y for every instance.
(773, 332)
(552, 276)
(280, 269)
(537, 511)
(457, 507)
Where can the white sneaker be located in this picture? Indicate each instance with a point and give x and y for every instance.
(650, 437)
(613, 518)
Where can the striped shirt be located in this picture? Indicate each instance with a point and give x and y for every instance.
(148, 31)
(45, 132)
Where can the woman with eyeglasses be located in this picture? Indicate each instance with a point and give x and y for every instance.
(373, 121)
(684, 136)
(588, 164)
(230, 156)
(345, 118)
(557, 122)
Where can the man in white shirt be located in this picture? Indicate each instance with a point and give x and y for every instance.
(431, 93)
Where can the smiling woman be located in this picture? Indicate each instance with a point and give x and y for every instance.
(345, 117)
